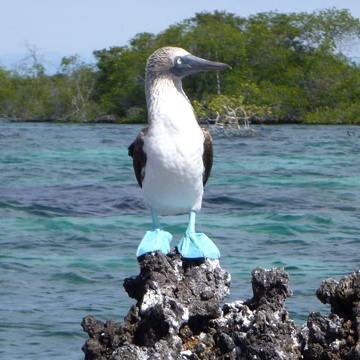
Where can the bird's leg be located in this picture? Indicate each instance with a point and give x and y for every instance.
(155, 220)
(195, 245)
(155, 240)
(191, 224)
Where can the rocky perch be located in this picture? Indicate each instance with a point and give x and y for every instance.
(179, 315)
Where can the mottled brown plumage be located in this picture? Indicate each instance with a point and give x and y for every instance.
(207, 155)
(139, 157)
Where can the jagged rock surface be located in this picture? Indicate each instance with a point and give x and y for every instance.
(260, 328)
(170, 294)
(337, 335)
(178, 315)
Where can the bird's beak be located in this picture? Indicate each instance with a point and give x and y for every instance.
(190, 64)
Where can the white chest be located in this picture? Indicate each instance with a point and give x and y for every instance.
(174, 147)
(174, 142)
(174, 171)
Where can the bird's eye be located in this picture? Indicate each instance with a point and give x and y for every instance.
(178, 61)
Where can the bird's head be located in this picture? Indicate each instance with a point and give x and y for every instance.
(177, 62)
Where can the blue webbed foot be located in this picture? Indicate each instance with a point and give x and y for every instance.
(197, 245)
(156, 240)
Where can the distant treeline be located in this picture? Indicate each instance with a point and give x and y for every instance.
(285, 68)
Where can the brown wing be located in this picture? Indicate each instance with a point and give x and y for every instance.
(207, 155)
(139, 157)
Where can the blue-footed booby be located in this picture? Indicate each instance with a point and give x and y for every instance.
(173, 156)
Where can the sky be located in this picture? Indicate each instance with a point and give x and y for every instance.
(59, 28)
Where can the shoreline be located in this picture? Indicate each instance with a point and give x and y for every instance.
(257, 123)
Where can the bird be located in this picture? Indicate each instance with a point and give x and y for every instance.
(173, 156)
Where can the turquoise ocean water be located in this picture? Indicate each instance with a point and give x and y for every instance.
(71, 217)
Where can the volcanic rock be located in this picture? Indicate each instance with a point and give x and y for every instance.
(337, 335)
(179, 315)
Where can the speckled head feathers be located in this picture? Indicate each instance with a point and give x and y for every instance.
(163, 59)
(177, 62)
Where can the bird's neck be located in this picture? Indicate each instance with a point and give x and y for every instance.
(168, 106)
